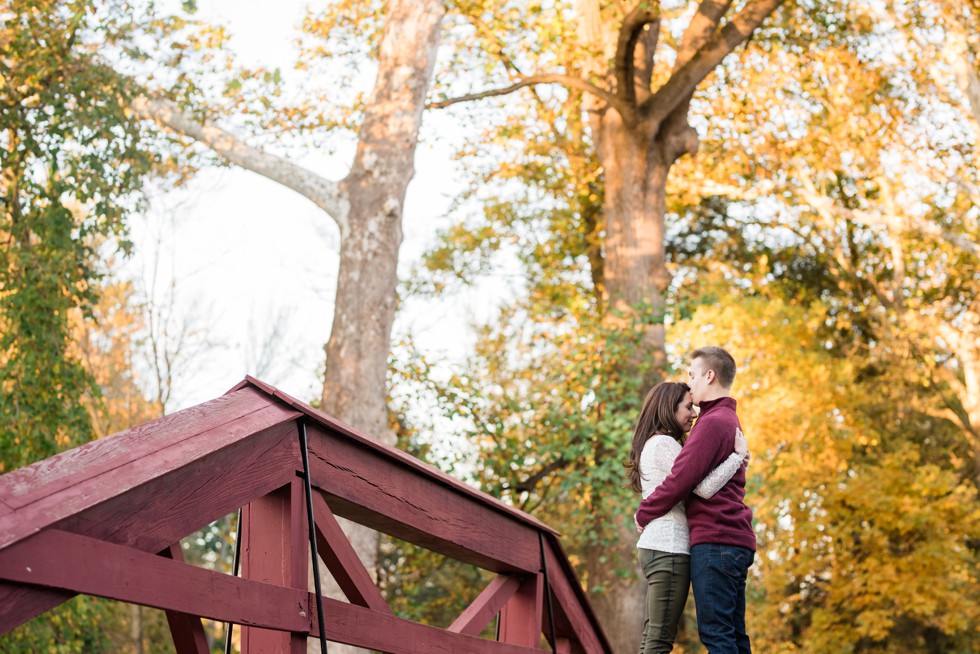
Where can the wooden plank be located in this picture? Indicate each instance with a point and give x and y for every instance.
(436, 476)
(274, 551)
(20, 604)
(520, 619)
(66, 561)
(372, 490)
(482, 610)
(151, 516)
(570, 603)
(67, 469)
(137, 512)
(384, 632)
(153, 470)
(338, 555)
(186, 630)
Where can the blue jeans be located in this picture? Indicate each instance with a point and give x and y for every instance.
(718, 575)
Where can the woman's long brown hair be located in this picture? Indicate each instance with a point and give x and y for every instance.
(658, 416)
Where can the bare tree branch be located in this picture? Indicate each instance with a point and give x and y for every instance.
(324, 193)
(682, 83)
(629, 33)
(875, 218)
(703, 25)
(531, 80)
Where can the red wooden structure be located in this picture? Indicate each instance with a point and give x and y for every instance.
(106, 519)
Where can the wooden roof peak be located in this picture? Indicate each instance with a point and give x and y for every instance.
(127, 500)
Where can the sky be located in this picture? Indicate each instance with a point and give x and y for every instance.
(245, 254)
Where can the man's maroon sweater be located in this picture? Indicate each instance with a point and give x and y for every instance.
(722, 519)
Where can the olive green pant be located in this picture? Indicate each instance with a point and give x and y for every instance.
(668, 580)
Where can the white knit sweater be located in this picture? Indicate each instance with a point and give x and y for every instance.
(669, 533)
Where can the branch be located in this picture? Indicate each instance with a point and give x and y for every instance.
(702, 26)
(629, 32)
(927, 228)
(531, 80)
(527, 485)
(682, 83)
(322, 192)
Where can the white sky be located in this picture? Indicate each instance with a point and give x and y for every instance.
(245, 250)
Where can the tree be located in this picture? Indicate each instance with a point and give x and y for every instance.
(73, 164)
(366, 205)
(853, 221)
(634, 70)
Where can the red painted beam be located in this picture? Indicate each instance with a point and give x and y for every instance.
(368, 487)
(482, 610)
(373, 630)
(151, 516)
(186, 630)
(105, 455)
(66, 561)
(342, 561)
(568, 603)
(520, 619)
(70, 495)
(394, 455)
(275, 550)
(82, 564)
(19, 603)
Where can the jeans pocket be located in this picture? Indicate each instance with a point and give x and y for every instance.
(736, 561)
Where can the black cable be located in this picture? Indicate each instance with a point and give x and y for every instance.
(313, 553)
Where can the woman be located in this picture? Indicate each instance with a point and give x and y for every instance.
(663, 548)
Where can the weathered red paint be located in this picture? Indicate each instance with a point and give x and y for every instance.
(93, 520)
(486, 606)
(520, 619)
(274, 551)
(186, 630)
(342, 561)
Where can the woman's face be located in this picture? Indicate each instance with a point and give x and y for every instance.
(685, 412)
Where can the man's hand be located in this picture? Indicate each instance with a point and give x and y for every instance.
(636, 523)
(741, 445)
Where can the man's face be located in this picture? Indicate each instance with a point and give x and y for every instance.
(698, 380)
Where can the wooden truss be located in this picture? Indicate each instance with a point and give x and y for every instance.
(106, 519)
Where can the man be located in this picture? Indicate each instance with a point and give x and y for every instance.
(722, 538)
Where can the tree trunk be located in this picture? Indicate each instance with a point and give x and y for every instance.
(635, 271)
(639, 134)
(355, 385)
(354, 388)
(367, 206)
(635, 167)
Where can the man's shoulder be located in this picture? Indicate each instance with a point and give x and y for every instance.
(719, 416)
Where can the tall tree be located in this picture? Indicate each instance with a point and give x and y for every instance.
(367, 205)
(634, 69)
(72, 164)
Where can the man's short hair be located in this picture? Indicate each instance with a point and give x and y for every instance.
(717, 359)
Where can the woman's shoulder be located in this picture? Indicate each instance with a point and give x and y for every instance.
(661, 442)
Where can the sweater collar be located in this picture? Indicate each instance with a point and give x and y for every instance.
(708, 405)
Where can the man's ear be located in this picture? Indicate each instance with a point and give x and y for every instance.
(710, 374)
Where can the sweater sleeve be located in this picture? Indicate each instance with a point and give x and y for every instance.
(690, 467)
(719, 476)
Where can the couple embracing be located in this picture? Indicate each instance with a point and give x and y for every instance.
(696, 530)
